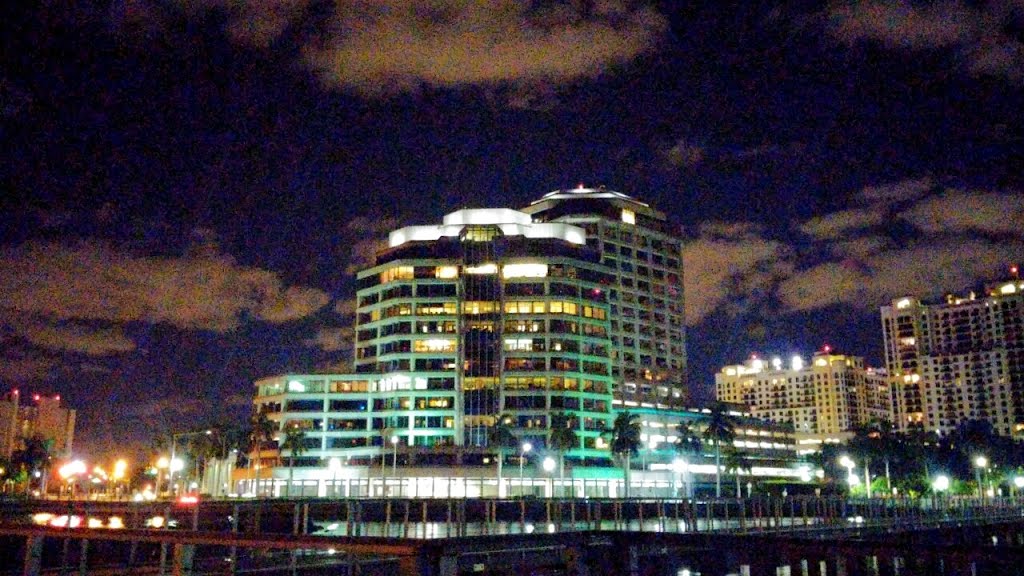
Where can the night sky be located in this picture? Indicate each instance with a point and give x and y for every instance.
(187, 187)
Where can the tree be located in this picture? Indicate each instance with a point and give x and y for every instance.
(687, 439)
(501, 438)
(262, 432)
(721, 428)
(35, 456)
(562, 438)
(871, 442)
(294, 442)
(738, 462)
(625, 440)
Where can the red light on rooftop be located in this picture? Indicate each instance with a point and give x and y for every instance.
(579, 186)
(36, 397)
(15, 392)
(826, 348)
(1014, 270)
(57, 397)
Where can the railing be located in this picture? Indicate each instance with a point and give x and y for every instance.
(388, 536)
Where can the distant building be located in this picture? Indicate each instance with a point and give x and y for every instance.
(44, 416)
(962, 359)
(824, 400)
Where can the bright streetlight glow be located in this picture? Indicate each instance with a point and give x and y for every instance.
(548, 464)
(1018, 481)
(846, 462)
(163, 462)
(72, 468)
(981, 462)
(120, 468)
(941, 483)
(853, 479)
(177, 465)
(527, 447)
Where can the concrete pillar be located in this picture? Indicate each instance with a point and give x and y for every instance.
(184, 556)
(33, 561)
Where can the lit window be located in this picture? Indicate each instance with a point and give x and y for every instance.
(628, 216)
(446, 272)
(528, 270)
(482, 269)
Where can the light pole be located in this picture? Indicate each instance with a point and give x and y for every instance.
(549, 465)
(980, 463)
(394, 456)
(851, 478)
(120, 468)
(524, 450)
(174, 447)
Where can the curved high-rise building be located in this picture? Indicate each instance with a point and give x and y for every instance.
(643, 252)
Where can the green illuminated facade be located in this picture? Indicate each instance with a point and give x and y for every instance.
(484, 315)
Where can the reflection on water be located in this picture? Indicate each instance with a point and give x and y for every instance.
(427, 530)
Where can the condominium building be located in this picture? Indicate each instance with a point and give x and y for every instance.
(642, 251)
(42, 416)
(824, 399)
(487, 313)
(957, 360)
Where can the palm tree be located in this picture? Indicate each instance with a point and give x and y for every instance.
(34, 456)
(721, 428)
(262, 432)
(294, 441)
(625, 440)
(500, 436)
(688, 441)
(563, 438)
(738, 462)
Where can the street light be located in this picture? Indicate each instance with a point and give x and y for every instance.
(548, 464)
(120, 468)
(524, 450)
(941, 483)
(394, 456)
(980, 463)
(678, 468)
(1018, 482)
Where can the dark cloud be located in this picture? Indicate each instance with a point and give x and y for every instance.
(976, 31)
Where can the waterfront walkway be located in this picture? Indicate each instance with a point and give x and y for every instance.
(723, 536)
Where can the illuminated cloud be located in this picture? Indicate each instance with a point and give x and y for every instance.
(380, 46)
(838, 224)
(18, 366)
(963, 211)
(685, 154)
(82, 339)
(901, 191)
(975, 31)
(927, 271)
(91, 281)
(371, 236)
(332, 339)
(720, 268)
